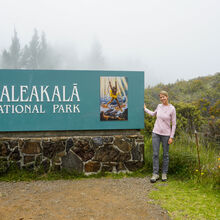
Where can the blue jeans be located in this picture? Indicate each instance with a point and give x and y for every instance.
(156, 139)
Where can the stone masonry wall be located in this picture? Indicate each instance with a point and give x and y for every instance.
(83, 154)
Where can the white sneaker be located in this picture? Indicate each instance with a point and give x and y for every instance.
(164, 177)
(154, 178)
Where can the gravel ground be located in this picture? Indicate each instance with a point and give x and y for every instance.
(89, 199)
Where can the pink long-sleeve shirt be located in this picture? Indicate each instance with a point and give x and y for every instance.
(166, 114)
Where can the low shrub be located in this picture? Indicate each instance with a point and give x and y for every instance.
(3, 166)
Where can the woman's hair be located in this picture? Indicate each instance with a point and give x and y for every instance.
(164, 93)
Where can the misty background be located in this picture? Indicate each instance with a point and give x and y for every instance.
(170, 40)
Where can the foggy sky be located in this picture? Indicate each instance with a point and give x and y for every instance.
(168, 39)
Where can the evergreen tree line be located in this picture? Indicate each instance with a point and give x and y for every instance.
(38, 54)
(35, 55)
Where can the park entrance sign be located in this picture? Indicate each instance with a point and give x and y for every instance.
(50, 100)
(81, 121)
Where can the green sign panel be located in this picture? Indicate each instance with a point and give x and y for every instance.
(40, 100)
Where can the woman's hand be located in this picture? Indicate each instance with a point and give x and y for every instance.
(144, 106)
(170, 141)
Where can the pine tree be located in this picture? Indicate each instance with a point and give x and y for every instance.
(34, 47)
(15, 52)
(25, 57)
(11, 58)
(5, 62)
(96, 59)
(43, 52)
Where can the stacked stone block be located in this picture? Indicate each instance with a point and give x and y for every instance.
(82, 154)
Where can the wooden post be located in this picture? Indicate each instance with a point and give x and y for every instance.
(197, 147)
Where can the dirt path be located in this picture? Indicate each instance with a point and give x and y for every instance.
(90, 199)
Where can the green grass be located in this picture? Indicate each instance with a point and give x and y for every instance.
(184, 161)
(25, 175)
(187, 200)
(15, 174)
(188, 194)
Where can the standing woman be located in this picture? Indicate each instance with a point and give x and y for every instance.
(163, 132)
